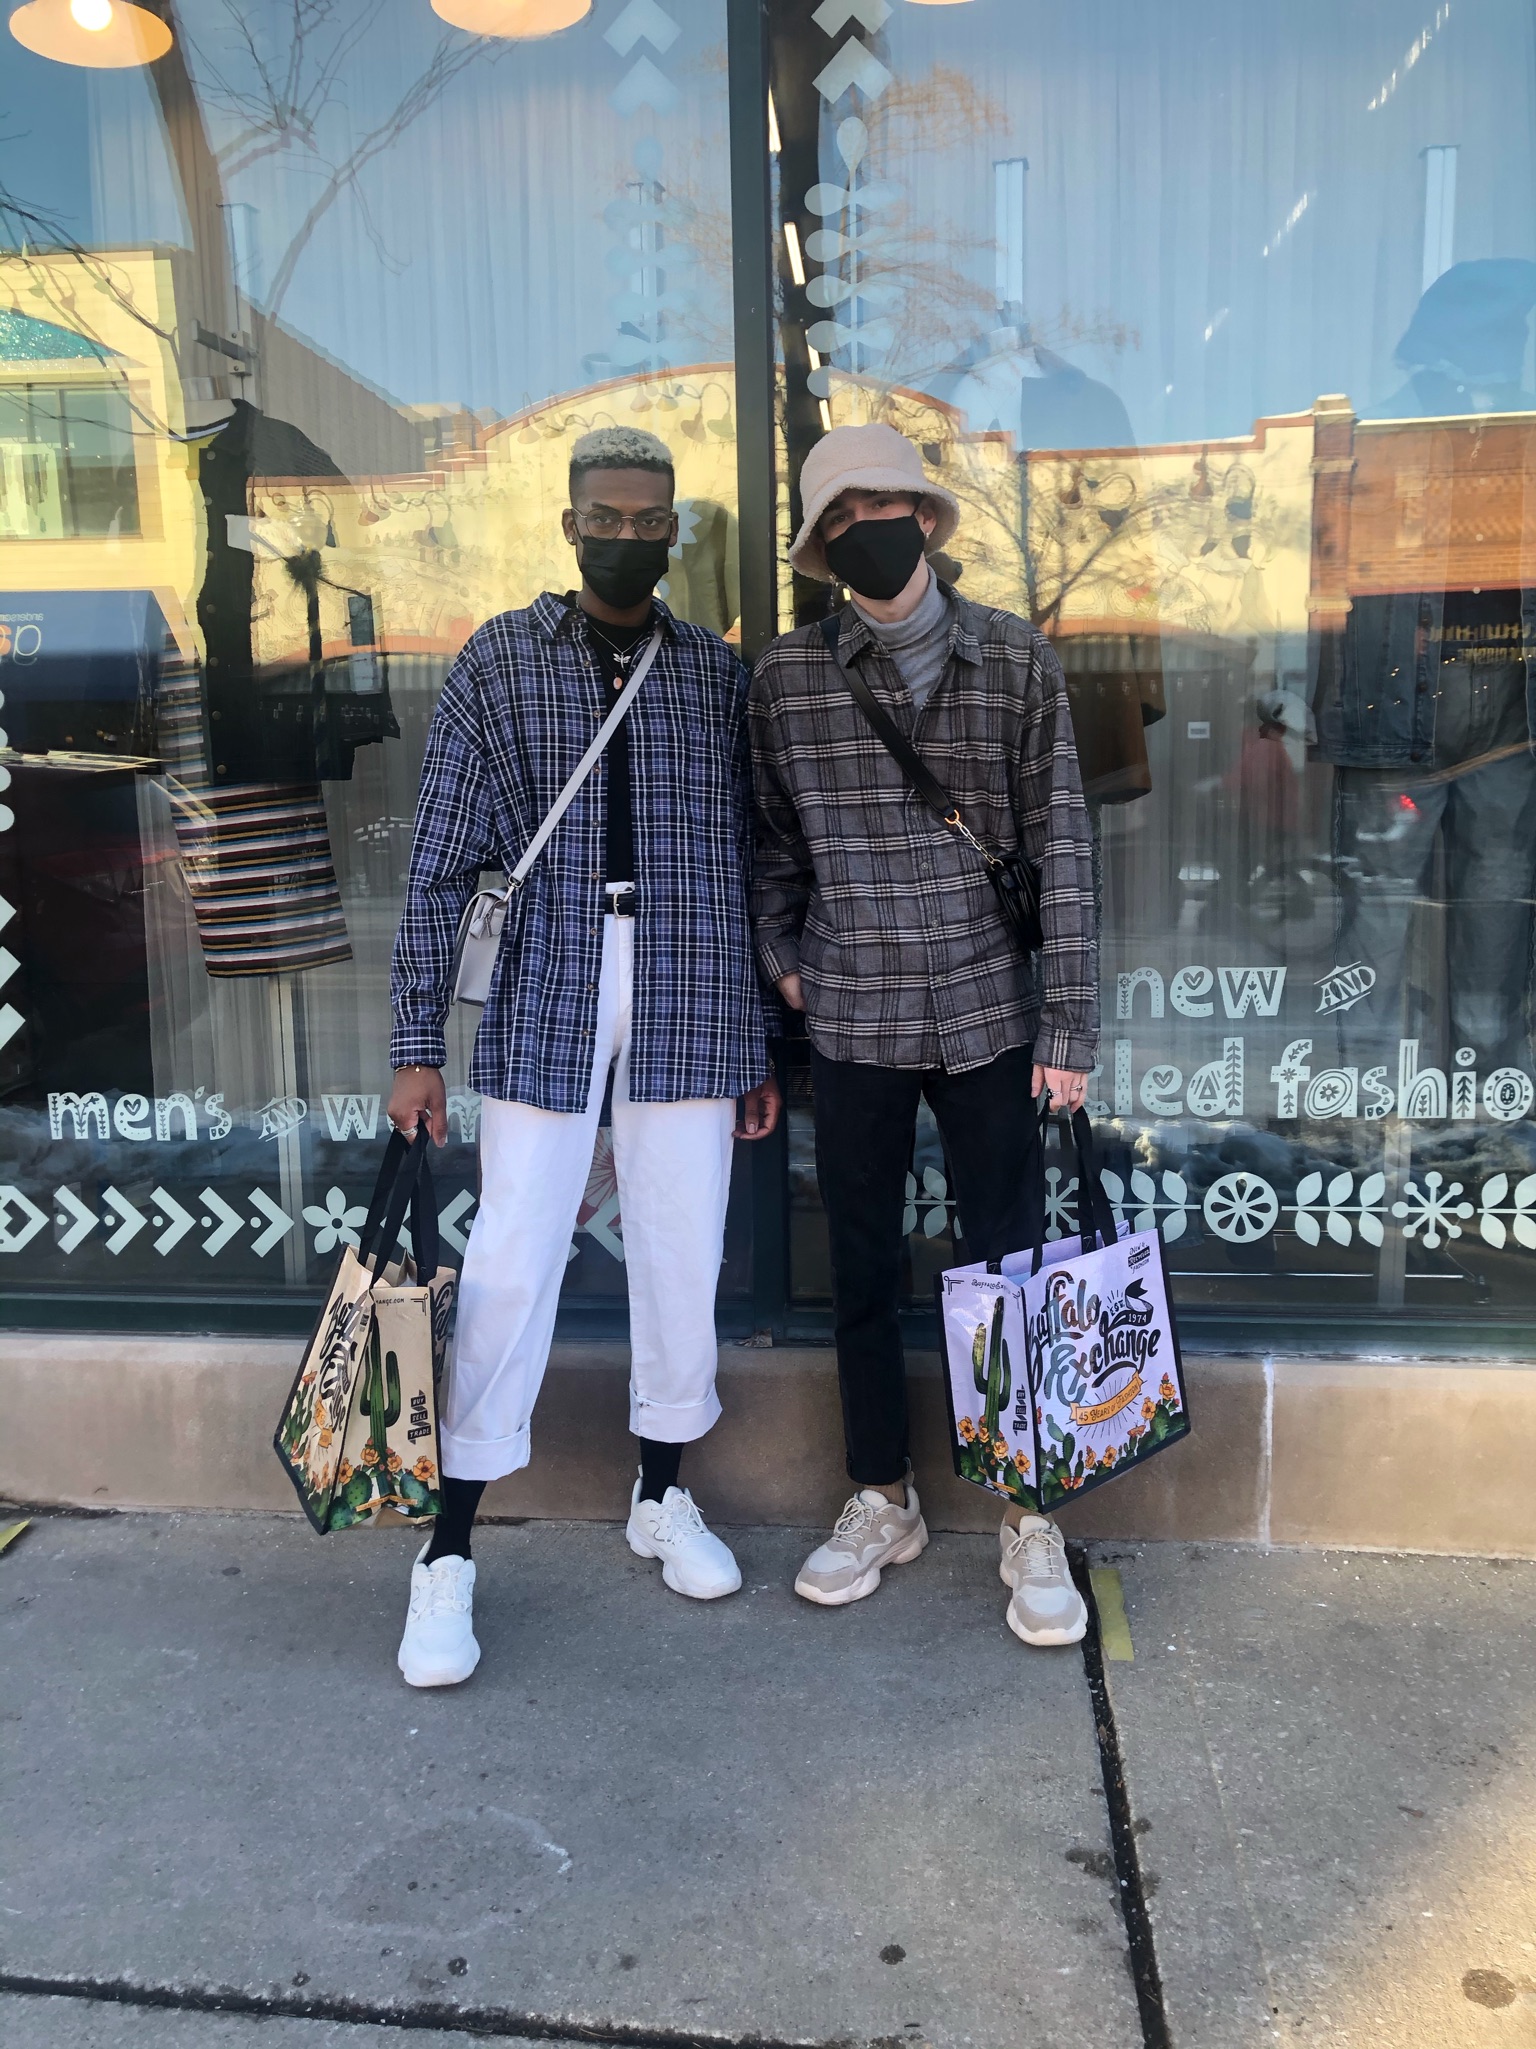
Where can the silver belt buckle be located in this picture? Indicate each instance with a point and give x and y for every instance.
(621, 899)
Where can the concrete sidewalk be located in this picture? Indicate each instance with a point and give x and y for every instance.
(752, 1822)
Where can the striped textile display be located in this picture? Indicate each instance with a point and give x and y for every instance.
(257, 860)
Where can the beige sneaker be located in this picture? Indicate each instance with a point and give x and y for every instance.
(1046, 1607)
(870, 1534)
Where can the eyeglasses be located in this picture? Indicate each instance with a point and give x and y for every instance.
(607, 526)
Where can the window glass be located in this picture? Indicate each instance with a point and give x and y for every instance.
(1218, 322)
(66, 462)
(297, 327)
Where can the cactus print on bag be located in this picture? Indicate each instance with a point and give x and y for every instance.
(360, 1430)
(1101, 1387)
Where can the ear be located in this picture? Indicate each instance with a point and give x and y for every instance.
(927, 515)
(568, 525)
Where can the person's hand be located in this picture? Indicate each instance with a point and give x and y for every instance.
(1068, 1088)
(419, 1089)
(791, 991)
(759, 1111)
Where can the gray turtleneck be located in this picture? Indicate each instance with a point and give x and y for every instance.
(918, 644)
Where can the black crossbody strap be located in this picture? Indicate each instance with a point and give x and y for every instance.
(907, 759)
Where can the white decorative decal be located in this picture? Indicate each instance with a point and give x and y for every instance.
(1241, 1207)
(1432, 1209)
(1342, 988)
(854, 65)
(1337, 1209)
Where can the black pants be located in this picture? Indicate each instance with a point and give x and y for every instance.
(866, 1118)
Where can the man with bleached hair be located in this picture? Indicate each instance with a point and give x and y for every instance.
(625, 961)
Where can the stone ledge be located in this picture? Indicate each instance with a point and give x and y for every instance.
(1313, 1452)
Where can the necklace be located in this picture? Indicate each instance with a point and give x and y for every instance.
(622, 654)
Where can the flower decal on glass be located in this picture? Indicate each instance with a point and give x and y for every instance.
(1432, 1209)
(335, 1224)
(1241, 1207)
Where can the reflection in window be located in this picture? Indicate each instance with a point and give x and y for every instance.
(297, 326)
(1220, 328)
(66, 463)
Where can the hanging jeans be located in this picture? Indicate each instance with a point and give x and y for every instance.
(1386, 825)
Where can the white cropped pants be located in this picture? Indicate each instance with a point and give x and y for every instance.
(673, 1162)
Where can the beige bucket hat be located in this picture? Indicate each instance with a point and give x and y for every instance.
(872, 458)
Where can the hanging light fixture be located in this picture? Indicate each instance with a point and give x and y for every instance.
(519, 18)
(106, 35)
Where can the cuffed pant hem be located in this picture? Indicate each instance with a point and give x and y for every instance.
(673, 1423)
(478, 1458)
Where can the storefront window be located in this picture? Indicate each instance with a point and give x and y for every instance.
(297, 325)
(1218, 322)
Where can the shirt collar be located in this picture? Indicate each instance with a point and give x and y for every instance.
(964, 638)
(556, 619)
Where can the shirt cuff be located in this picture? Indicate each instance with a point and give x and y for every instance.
(777, 958)
(1060, 1046)
(418, 1046)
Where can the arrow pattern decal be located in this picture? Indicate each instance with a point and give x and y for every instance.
(74, 1221)
(854, 65)
(832, 16)
(130, 1221)
(644, 21)
(230, 1223)
(278, 1225)
(20, 1220)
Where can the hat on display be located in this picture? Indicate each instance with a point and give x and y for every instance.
(872, 458)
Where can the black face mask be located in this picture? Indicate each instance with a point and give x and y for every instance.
(876, 557)
(623, 572)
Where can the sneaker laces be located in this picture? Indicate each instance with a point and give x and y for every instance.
(855, 1519)
(440, 1593)
(679, 1518)
(1042, 1551)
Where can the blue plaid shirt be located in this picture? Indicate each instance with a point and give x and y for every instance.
(519, 708)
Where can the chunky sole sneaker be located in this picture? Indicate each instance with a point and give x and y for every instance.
(870, 1534)
(439, 1647)
(694, 1562)
(1045, 1608)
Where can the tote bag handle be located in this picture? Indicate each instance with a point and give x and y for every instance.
(404, 1183)
(1096, 1215)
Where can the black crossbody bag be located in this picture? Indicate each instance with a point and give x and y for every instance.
(1014, 879)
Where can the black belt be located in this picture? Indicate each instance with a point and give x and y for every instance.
(621, 902)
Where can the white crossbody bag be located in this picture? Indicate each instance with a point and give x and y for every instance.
(485, 915)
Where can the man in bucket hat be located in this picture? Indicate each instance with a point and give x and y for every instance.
(883, 928)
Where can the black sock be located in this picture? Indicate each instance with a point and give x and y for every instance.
(659, 1468)
(450, 1537)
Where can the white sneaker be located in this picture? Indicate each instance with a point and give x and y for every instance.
(693, 1559)
(870, 1534)
(438, 1647)
(1045, 1607)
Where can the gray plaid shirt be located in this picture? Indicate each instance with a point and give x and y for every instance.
(889, 918)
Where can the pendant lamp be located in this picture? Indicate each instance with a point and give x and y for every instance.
(519, 18)
(106, 35)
